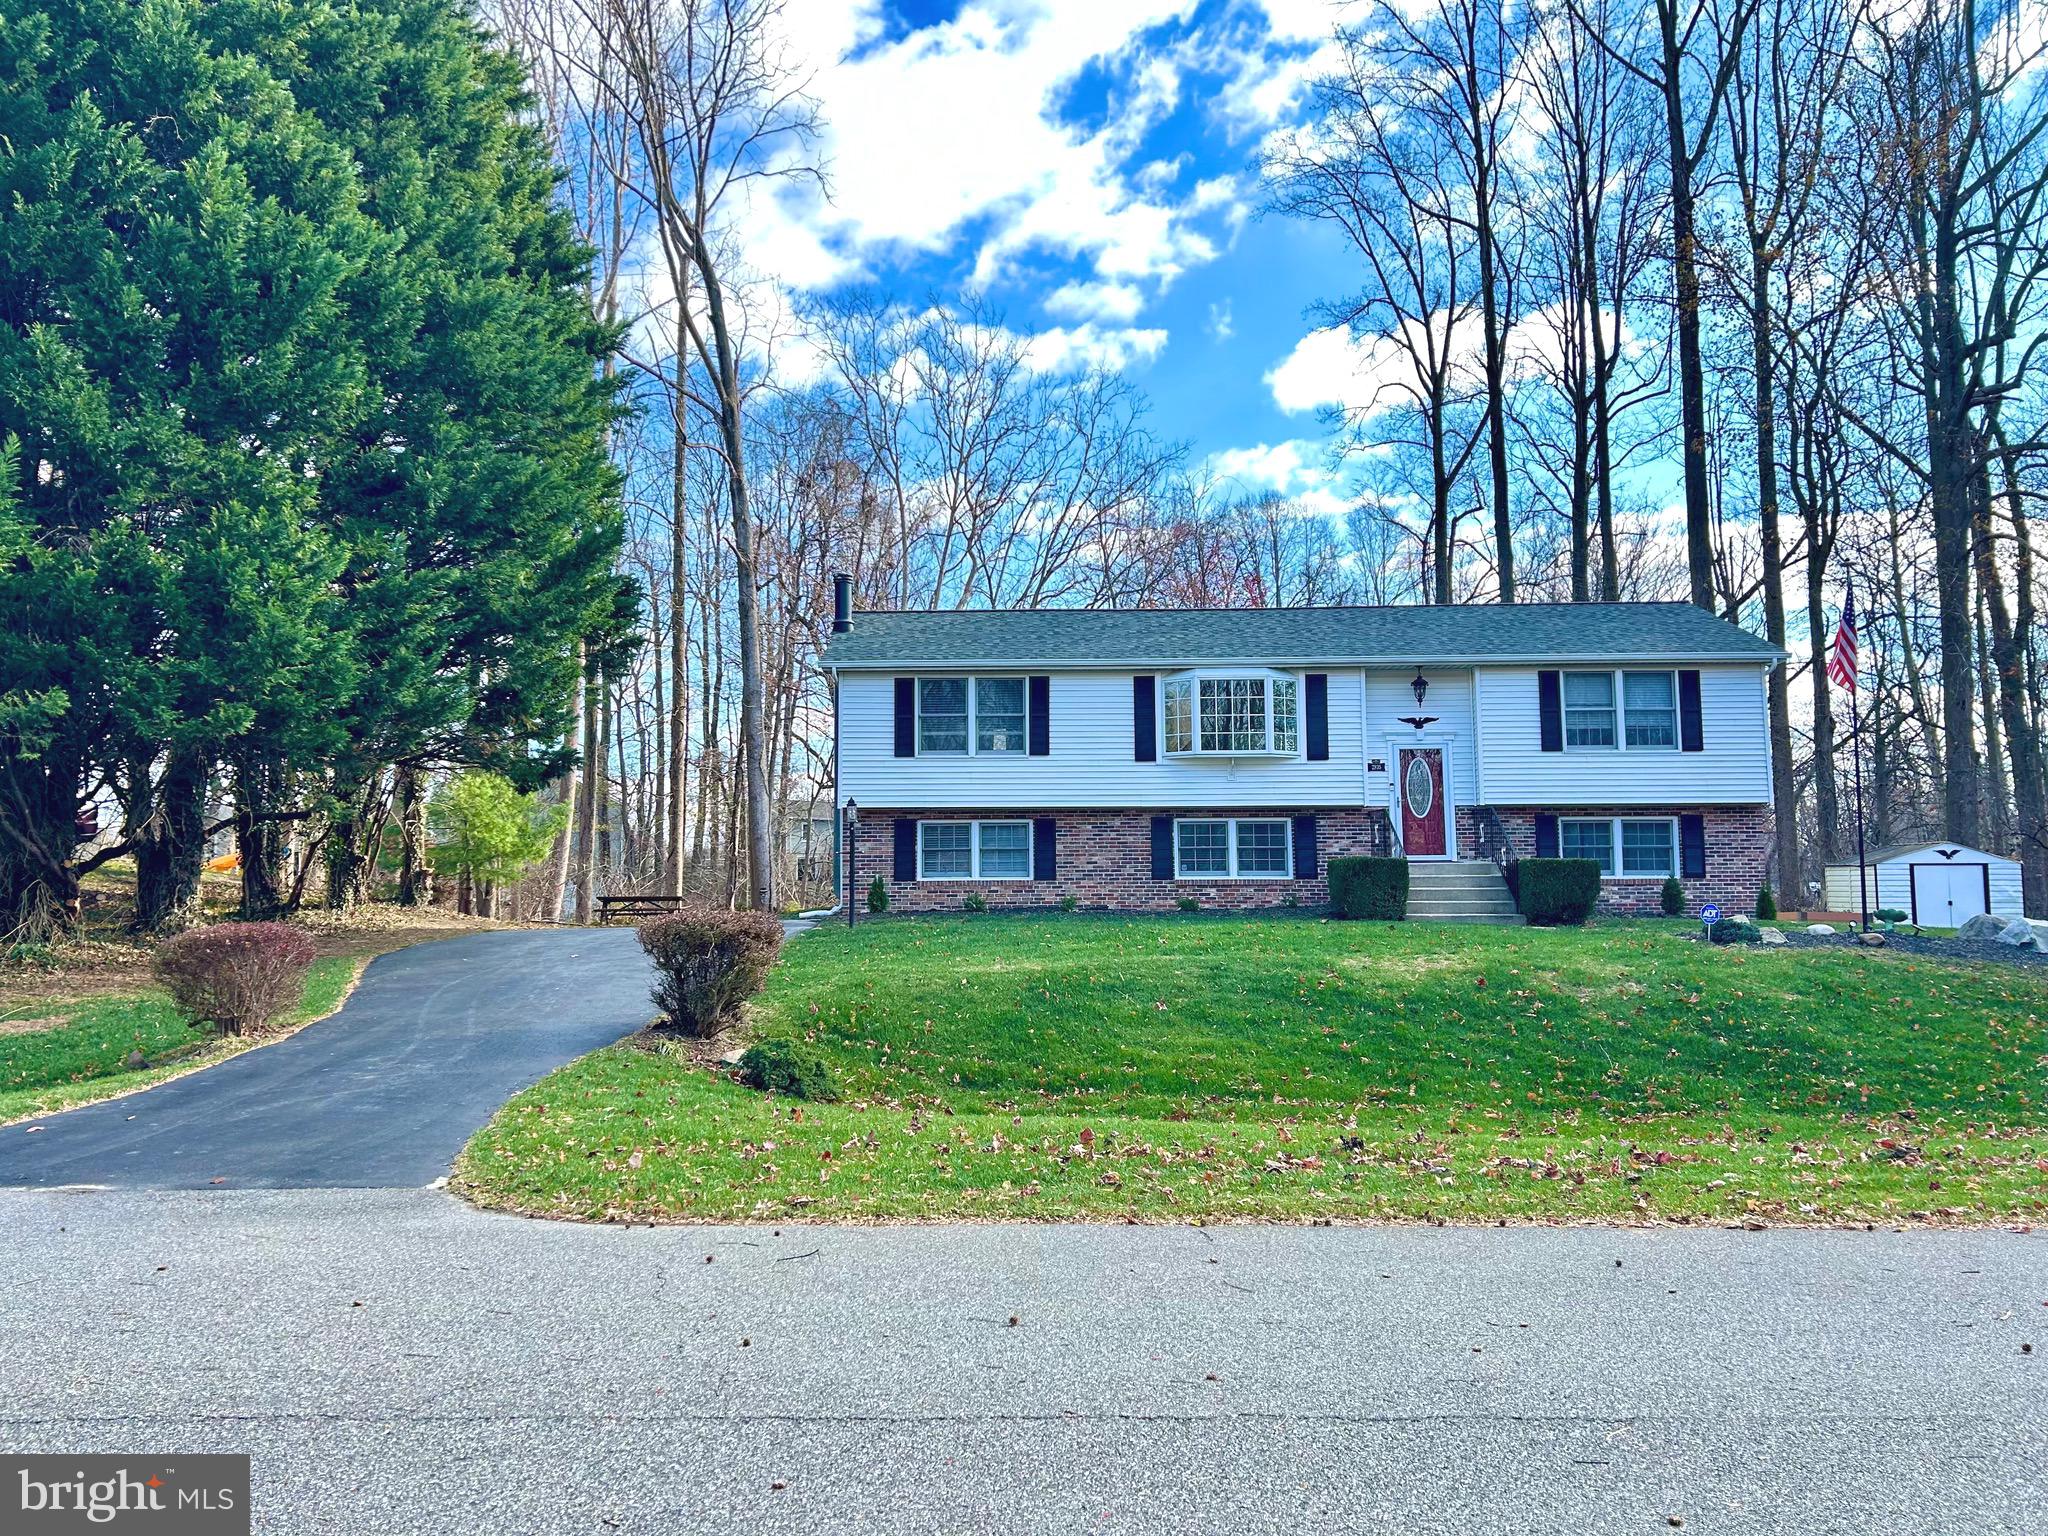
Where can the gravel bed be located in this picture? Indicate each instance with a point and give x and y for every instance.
(1925, 944)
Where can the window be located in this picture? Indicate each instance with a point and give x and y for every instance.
(974, 850)
(999, 714)
(1588, 840)
(1589, 709)
(945, 850)
(1232, 850)
(982, 715)
(1650, 709)
(941, 715)
(1649, 849)
(1647, 845)
(1232, 714)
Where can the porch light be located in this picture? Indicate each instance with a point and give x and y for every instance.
(1421, 687)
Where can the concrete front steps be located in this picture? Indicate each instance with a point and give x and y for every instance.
(1469, 891)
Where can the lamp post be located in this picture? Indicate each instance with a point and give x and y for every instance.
(852, 825)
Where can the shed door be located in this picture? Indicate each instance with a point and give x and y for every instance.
(1948, 895)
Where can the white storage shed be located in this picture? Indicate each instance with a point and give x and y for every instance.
(1937, 885)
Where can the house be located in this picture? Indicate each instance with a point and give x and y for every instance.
(1938, 885)
(1133, 758)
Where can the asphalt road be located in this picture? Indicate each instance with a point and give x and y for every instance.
(396, 1362)
(385, 1093)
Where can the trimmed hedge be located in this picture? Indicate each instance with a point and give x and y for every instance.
(1558, 892)
(788, 1067)
(1369, 888)
(236, 976)
(1674, 897)
(707, 963)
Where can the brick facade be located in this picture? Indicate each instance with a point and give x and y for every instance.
(1738, 853)
(1104, 859)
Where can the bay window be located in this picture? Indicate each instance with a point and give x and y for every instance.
(974, 850)
(1232, 714)
(1232, 848)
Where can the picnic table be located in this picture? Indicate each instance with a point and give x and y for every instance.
(609, 907)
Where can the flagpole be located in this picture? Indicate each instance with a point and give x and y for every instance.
(1856, 757)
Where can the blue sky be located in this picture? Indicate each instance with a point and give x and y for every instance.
(1091, 167)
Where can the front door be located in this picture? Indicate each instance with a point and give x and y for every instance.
(1947, 895)
(1421, 786)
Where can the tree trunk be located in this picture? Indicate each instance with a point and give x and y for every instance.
(562, 859)
(2022, 739)
(675, 830)
(1827, 810)
(1784, 792)
(170, 846)
(415, 876)
(1692, 386)
(583, 831)
(260, 837)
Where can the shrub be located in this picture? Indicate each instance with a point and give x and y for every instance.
(236, 976)
(707, 962)
(878, 895)
(1889, 915)
(1188, 904)
(1674, 897)
(1734, 930)
(1069, 902)
(1369, 888)
(1766, 904)
(1559, 891)
(974, 903)
(788, 1067)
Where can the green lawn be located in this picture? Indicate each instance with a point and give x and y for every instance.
(1284, 1067)
(83, 1058)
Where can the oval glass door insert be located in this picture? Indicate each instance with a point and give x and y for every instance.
(1420, 788)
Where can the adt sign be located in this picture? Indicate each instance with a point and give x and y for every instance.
(1710, 914)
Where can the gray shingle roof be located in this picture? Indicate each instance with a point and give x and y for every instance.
(1398, 636)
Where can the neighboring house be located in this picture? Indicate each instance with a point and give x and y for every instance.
(1938, 885)
(1131, 758)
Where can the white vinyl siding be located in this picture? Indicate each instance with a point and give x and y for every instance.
(1244, 848)
(1091, 762)
(1389, 696)
(974, 850)
(1734, 767)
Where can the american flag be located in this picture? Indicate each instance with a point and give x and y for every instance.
(1842, 661)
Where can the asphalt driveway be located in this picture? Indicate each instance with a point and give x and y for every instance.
(383, 1094)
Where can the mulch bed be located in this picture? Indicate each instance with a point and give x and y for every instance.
(1977, 950)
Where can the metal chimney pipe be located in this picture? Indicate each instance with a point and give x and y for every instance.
(842, 603)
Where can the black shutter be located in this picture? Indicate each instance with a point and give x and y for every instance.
(1040, 737)
(906, 717)
(1045, 840)
(1162, 846)
(1546, 833)
(1145, 722)
(1692, 846)
(1318, 702)
(1550, 706)
(906, 849)
(1304, 847)
(1690, 736)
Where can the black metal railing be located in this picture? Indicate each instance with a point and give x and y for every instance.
(1379, 834)
(1493, 837)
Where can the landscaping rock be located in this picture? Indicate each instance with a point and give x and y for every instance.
(1826, 928)
(1874, 940)
(2017, 932)
(1982, 926)
(1772, 936)
(136, 1061)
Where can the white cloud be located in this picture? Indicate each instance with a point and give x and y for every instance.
(1095, 301)
(1221, 325)
(1065, 349)
(957, 125)
(1298, 469)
